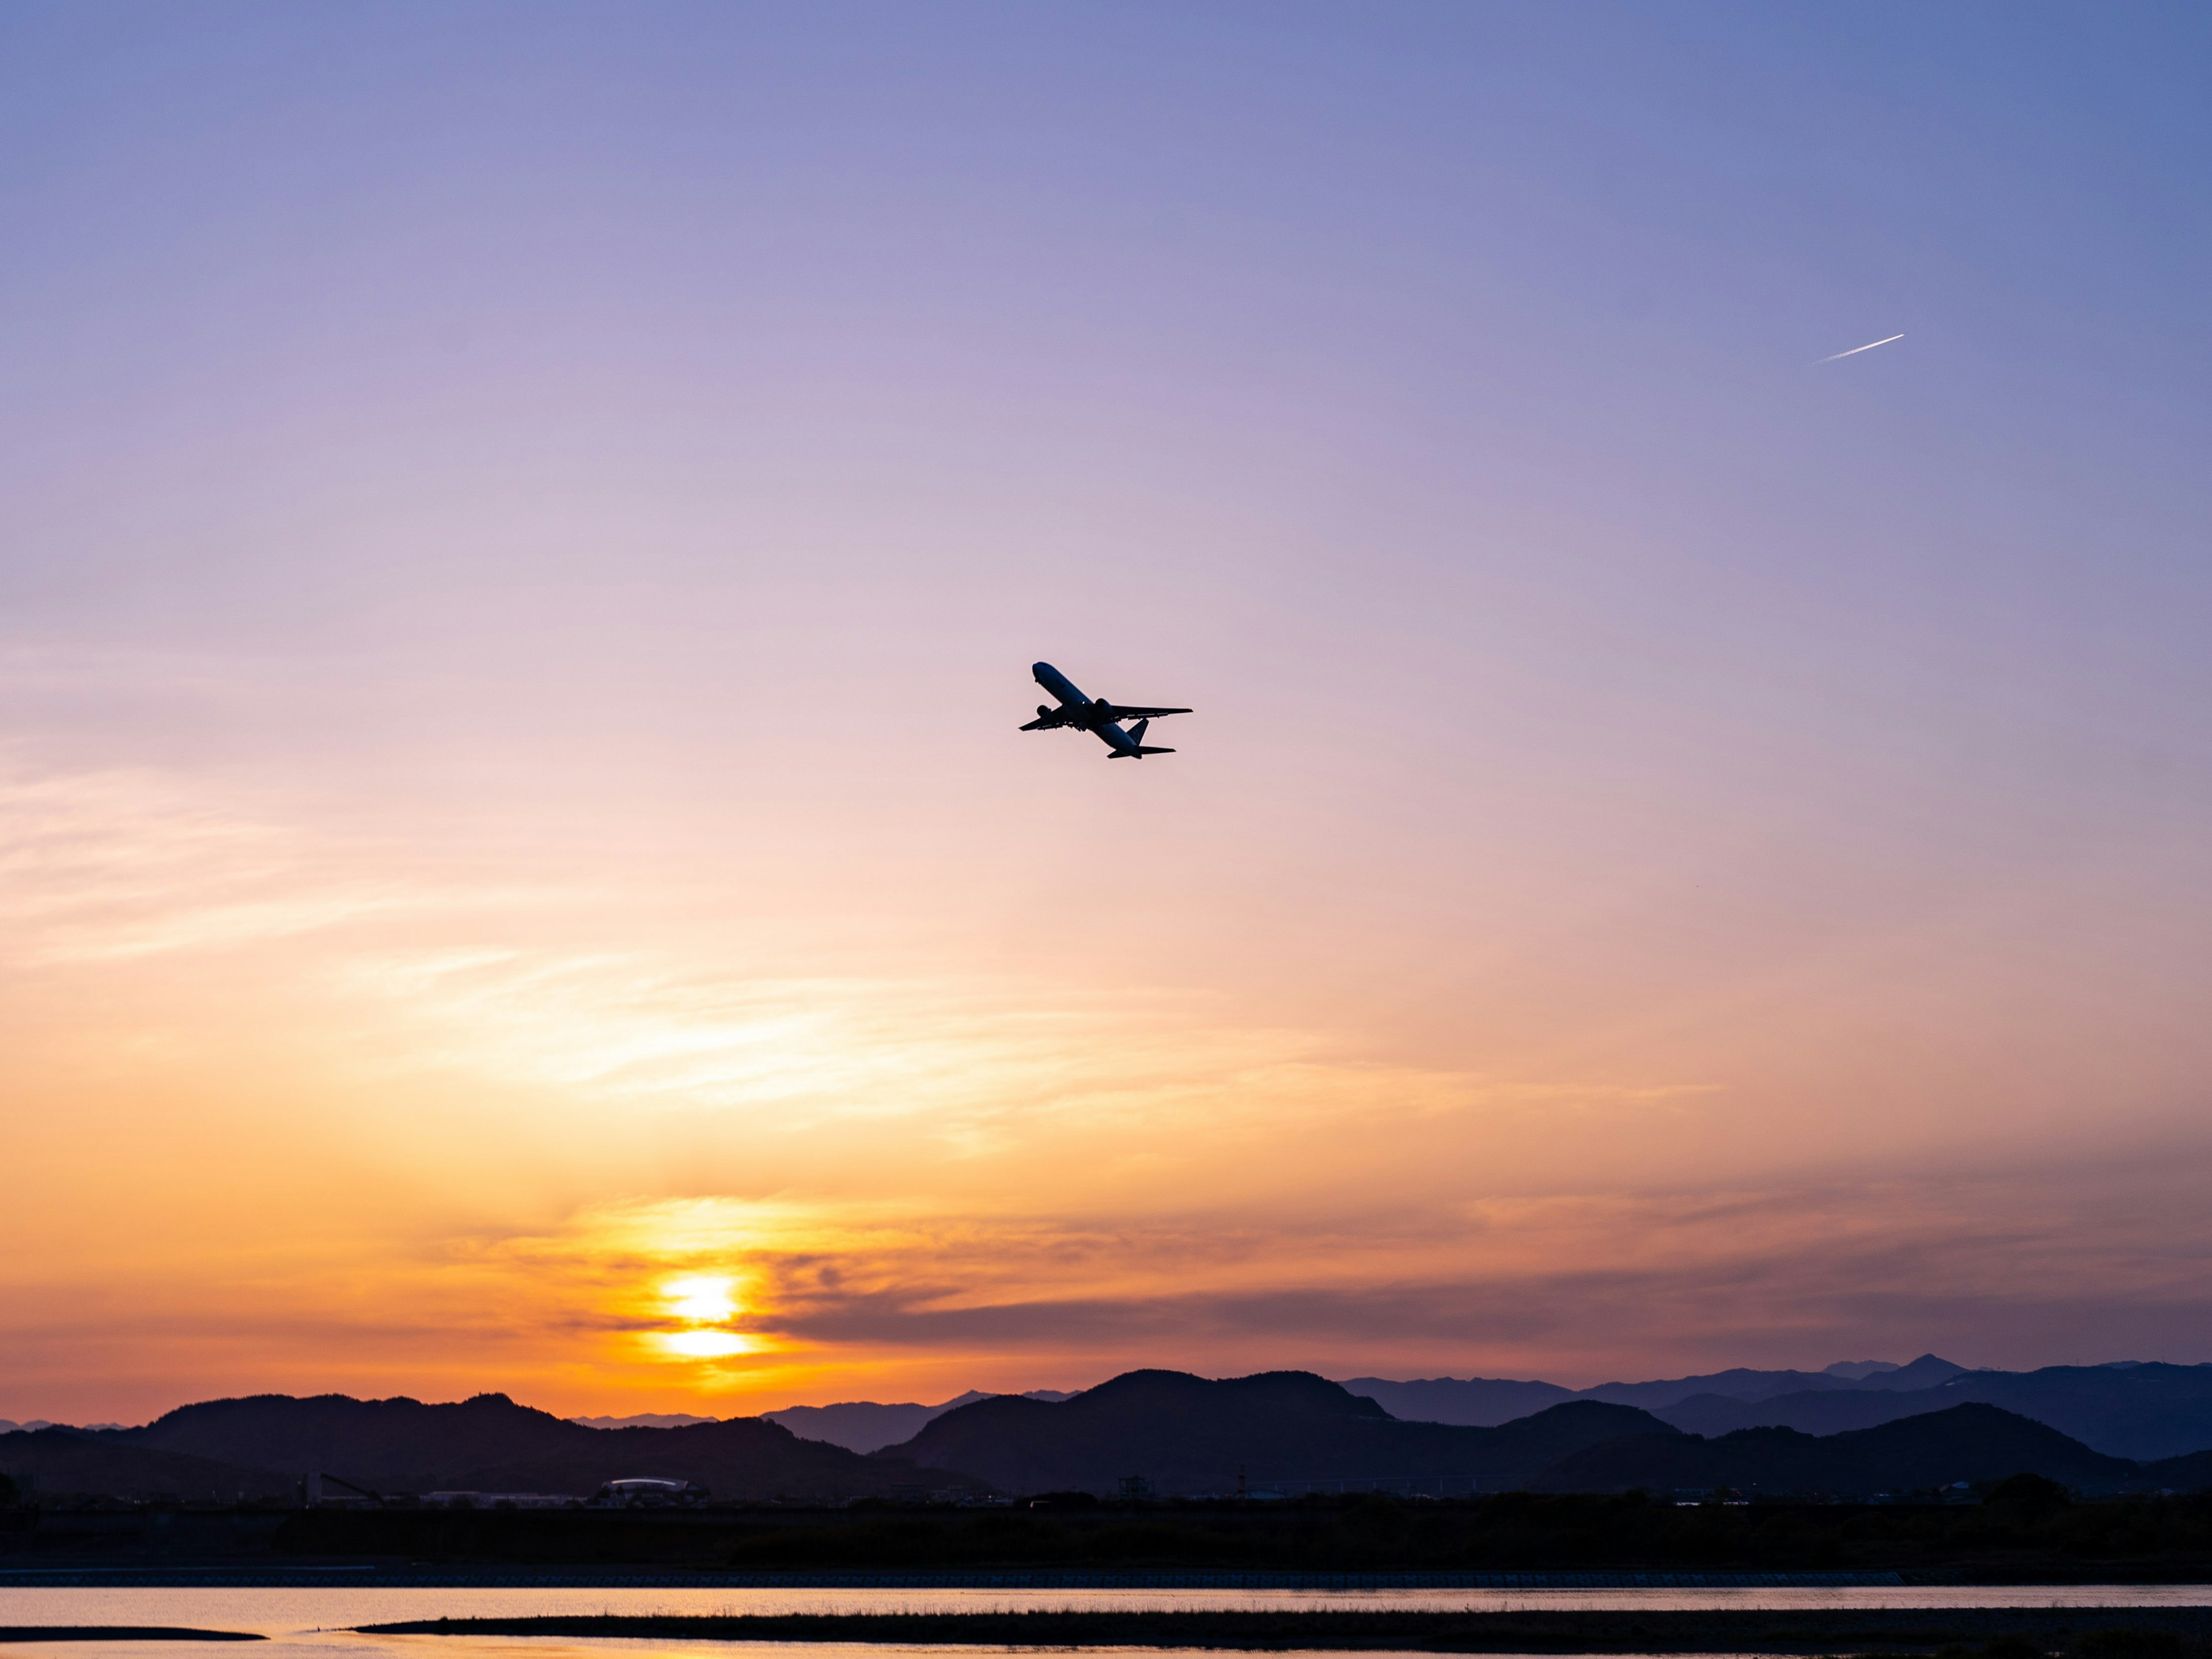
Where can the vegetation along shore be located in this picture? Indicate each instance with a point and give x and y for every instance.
(1996, 1633)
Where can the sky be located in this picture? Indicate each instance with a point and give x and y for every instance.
(523, 530)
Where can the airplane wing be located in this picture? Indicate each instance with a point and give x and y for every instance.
(1131, 711)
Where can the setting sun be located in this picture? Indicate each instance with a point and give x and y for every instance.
(704, 1301)
(704, 1345)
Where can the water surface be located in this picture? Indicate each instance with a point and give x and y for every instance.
(314, 1622)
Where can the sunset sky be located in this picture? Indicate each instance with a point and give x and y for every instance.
(523, 530)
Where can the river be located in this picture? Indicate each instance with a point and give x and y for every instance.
(315, 1623)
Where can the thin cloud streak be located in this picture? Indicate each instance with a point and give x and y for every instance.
(846, 1142)
(1855, 350)
(1578, 1289)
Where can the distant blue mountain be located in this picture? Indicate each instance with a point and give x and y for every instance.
(863, 1425)
(1479, 1402)
(1744, 1385)
(2142, 1411)
(645, 1420)
(2102, 1428)
(1968, 1443)
(1484, 1402)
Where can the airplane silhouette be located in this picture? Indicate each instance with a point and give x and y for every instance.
(1101, 717)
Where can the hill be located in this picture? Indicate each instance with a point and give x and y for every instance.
(1742, 1383)
(1475, 1402)
(399, 1445)
(1828, 1412)
(2191, 1472)
(69, 1460)
(1188, 1434)
(1486, 1402)
(1184, 1434)
(2139, 1411)
(863, 1425)
(742, 1457)
(2125, 1409)
(645, 1420)
(1966, 1444)
(487, 1444)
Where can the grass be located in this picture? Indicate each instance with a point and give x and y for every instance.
(1981, 1632)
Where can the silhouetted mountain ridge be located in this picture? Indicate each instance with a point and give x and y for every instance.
(400, 1443)
(489, 1443)
(58, 1460)
(2145, 1411)
(1186, 1434)
(739, 1457)
(1967, 1443)
(1182, 1433)
(1484, 1401)
(864, 1425)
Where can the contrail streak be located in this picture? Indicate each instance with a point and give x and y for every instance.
(1855, 350)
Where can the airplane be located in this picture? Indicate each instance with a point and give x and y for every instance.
(1101, 717)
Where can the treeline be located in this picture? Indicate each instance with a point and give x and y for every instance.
(1521, 1532)
(1951, 1633)
(2025, 1535)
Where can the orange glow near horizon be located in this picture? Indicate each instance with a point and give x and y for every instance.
(690, 1175)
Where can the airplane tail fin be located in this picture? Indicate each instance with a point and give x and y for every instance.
(1137, 744)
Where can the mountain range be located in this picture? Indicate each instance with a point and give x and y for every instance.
(2130, 1409)
(2143, 1411)
(1964, 1445)
(1482, 1401)
(1290, 1430)
(860, 1426)
(2134, 1410)
(1861, 1428)
(1186, 1435)
(260, 1446)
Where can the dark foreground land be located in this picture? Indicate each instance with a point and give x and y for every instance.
(120, 1633)
(2041, 1538)
(2018, 1535)
(1997, 1632)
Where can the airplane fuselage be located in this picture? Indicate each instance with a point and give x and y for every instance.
(1093, 714)
(1071, 700)
(1081, 711)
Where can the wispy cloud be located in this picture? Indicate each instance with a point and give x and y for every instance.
(102, 866)
(913, 1176)
(1855, 350)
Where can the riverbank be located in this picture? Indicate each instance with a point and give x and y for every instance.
(2166, 1540)
(2006, 1633)
(121, 1633)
